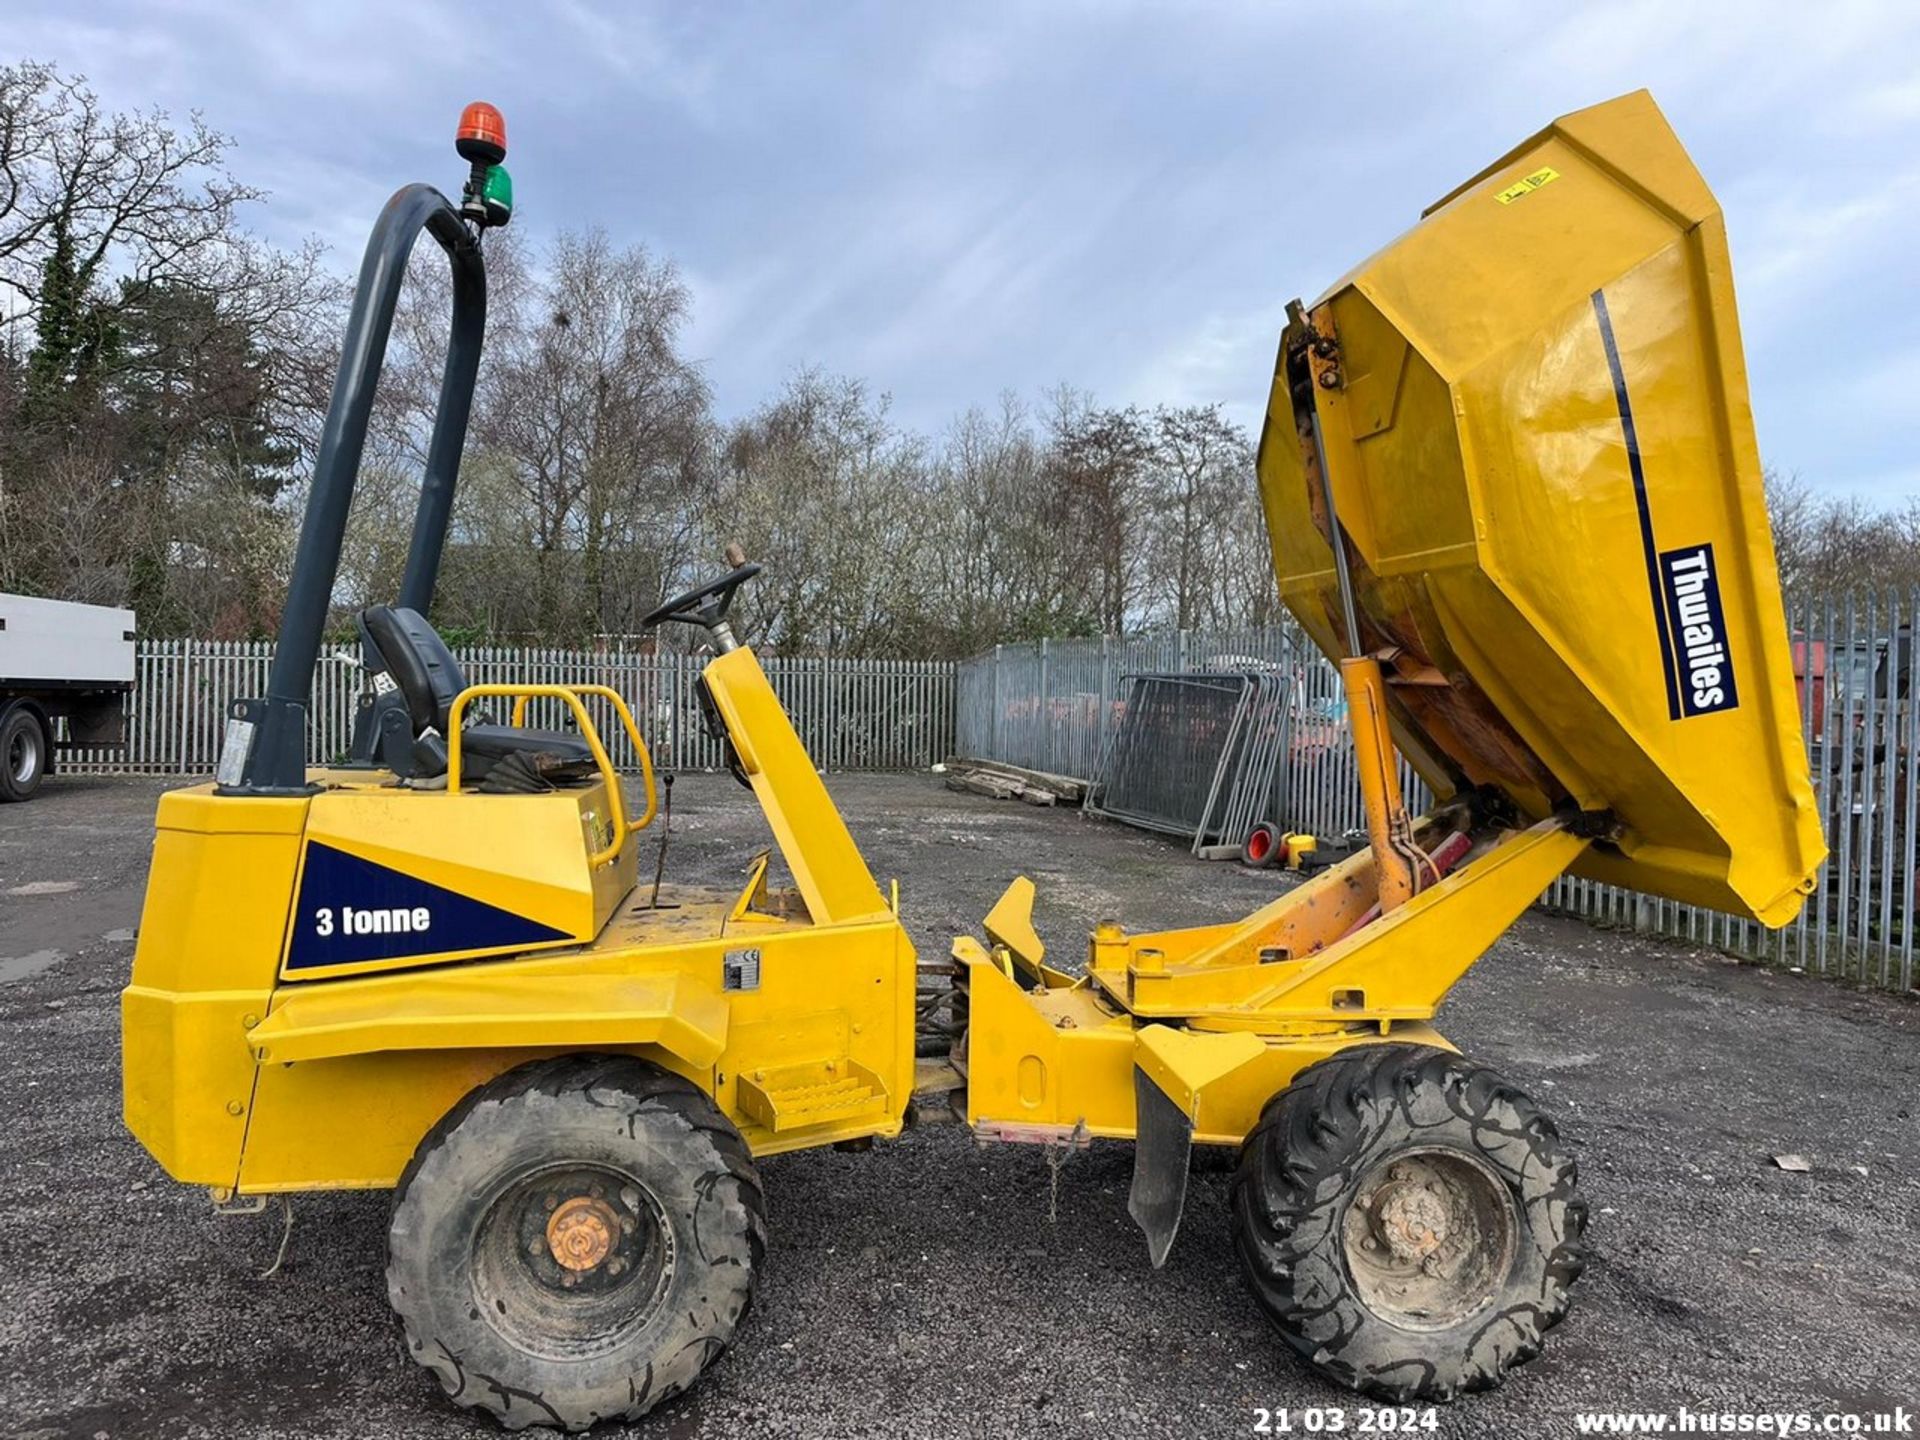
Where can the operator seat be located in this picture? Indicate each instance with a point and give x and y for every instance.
(496, 757)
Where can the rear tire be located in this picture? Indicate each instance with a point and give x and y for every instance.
(576, 1241)
(23, 755)
(1409, 1221)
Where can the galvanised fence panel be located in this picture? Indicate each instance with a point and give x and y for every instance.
(1053, 705)
(852, 714)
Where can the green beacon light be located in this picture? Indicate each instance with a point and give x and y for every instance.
(497, 195)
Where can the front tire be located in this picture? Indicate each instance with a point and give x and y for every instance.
(576, 1241)
(1409, 1221)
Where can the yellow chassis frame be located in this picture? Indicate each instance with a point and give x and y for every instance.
(1223, 1017)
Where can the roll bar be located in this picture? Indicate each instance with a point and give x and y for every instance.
(265, 748)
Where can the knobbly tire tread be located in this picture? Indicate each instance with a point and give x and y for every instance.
(428, 1287)
(1301, 1166)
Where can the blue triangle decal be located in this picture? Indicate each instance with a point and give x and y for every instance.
(351, 910)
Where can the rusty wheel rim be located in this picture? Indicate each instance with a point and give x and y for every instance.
(1430, 1238)
(582, 1232)
(570, 1261)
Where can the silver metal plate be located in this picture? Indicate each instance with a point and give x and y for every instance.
(740, 970)
(233, 752)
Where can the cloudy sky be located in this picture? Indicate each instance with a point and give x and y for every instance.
(952, 201)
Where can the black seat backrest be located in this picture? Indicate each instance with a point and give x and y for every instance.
(429, 677)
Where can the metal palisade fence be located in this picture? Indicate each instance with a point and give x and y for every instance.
(853, 714)
(1853, 676)
(1054, 706)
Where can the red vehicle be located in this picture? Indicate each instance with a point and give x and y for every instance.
(1818, 668)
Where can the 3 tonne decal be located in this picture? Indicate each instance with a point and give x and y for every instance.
(351, 910)
(1683, 585)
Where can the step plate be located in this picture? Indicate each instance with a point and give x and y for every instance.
(824, 1092)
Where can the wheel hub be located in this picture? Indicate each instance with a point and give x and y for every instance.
(1429, 1237)
(568, 1259)
(23, 758)
(1410, 1218)
(581, 1232)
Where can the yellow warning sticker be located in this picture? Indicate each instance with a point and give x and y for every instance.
(1545, 175)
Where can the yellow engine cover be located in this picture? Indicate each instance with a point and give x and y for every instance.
(1541, 449)
(247, 894)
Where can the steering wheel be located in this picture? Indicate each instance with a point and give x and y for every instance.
(704, 604)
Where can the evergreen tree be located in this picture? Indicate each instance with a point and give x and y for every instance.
(74, 340)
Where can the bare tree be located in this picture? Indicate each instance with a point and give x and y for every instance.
(1098, 461)
(994, 518)
(1826, 544)
(586, 398)
(820, 486)
(75, 549)
(1200, 490)
(154, 348)
(130, 196)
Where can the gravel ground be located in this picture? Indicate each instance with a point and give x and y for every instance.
(922, 1289)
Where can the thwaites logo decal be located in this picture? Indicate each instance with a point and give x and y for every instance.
(1699, 628)
(1684, 587)
(351, 911)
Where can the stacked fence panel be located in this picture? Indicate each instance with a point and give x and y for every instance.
(1055, 705)
(1166, 760)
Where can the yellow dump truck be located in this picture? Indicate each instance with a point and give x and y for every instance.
(1511, 482)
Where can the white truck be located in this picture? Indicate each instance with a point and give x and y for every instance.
(59, 661)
